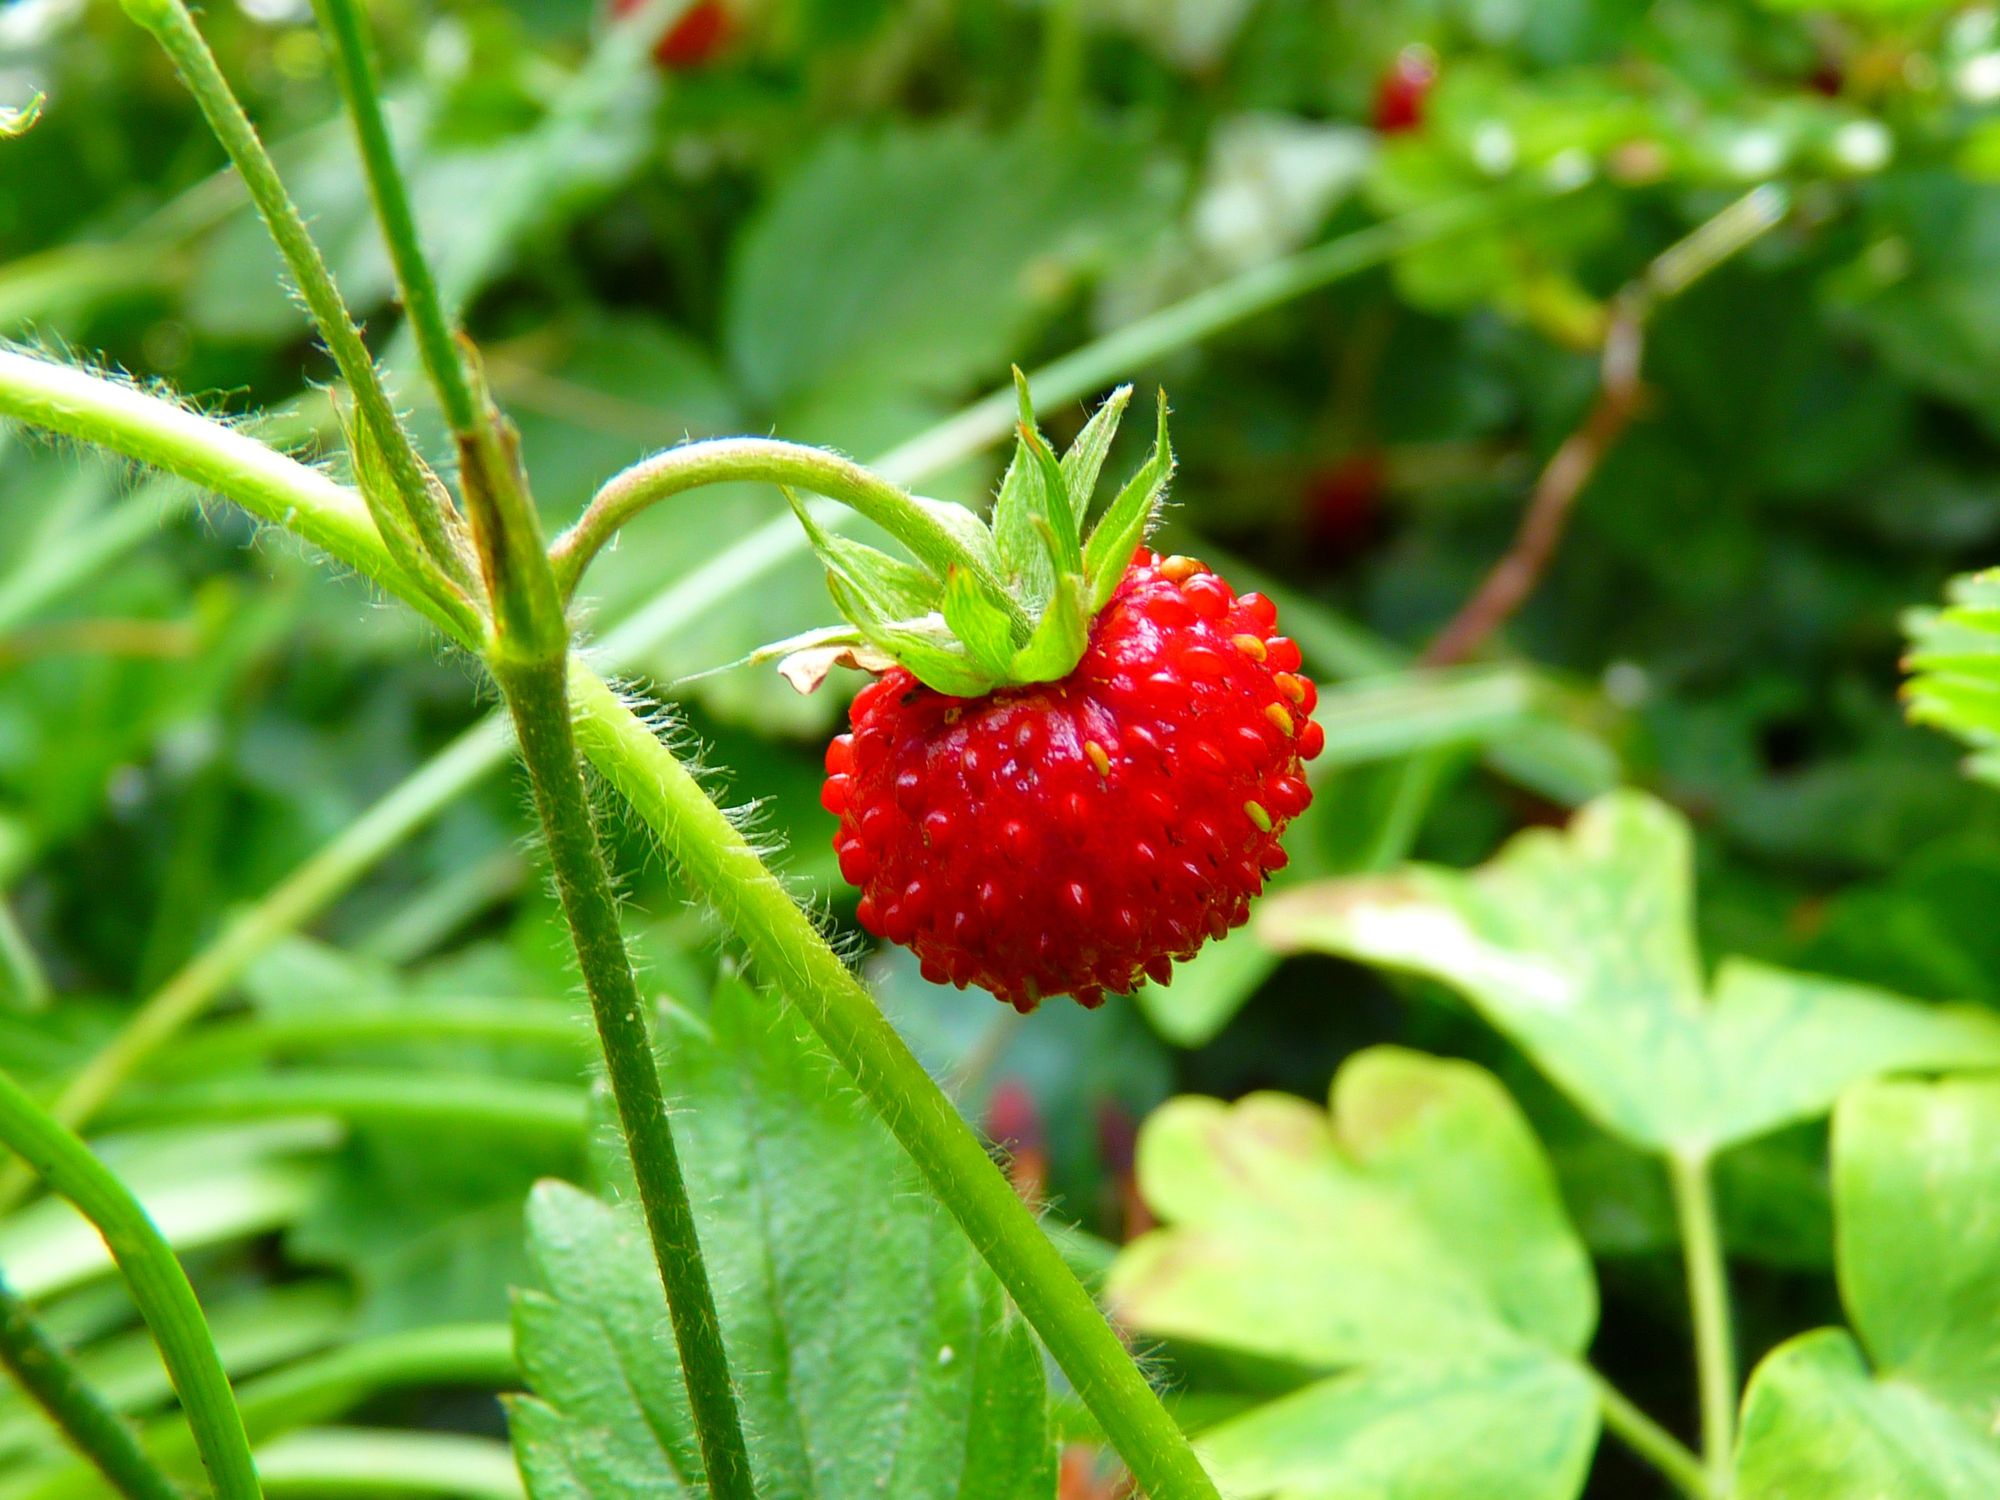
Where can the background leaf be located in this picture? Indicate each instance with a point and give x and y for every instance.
(874, 1351)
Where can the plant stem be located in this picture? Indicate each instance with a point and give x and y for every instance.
(1708, 1304)
(1650, 1441)
(46, 1372)
(24, 984)
(342, 21)
(726, 872)
(675, 471)
(159, 1286)
(537, 696)
(417, 506)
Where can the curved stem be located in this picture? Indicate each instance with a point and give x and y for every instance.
(726, 871)
(418, 506)
(265, 482)
(159, 1285)
(916, 523)
(1650, 1441)
(347, 1463)
(1708, 1303)
(341, 20)
(526, 1023)
(46, 1372)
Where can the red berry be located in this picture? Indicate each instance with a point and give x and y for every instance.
(1403, 91)
(1066, 838)
(702, 31)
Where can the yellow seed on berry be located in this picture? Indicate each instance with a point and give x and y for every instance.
(1179, 569)
(1094, 753)
(1250, 645)
(1280, 720)
(1255, 812)
(1292, 687)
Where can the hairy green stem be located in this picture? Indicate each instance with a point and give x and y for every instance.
(417, 506)
(720, 864)
(538, 696)
(1708, 1305)
(52, 1380)
(675, 471)
(341, 20)
(1650, 1441)
(159, 1286)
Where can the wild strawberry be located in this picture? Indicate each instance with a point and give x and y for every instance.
(701, 32)
(1076, 771)
(1402, 93)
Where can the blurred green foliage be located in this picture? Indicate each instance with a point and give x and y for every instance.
(843, 226)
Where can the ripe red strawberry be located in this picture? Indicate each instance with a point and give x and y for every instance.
(1403, 92)
(1078, 759)
(702, 31)
(1068, 837)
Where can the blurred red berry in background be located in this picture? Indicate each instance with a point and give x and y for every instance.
(693, 41)
(1403, 91)
(1342, 505)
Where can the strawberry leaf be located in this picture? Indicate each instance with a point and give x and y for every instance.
(1125, 524)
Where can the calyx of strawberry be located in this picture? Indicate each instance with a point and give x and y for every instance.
(981, 606)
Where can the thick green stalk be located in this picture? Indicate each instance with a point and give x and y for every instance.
(341, 20)
(52, 1380)
(537, 696)
(417, 507)
(726, 871)
(159, 1286)
(1708, 1304)
(1650, 1441)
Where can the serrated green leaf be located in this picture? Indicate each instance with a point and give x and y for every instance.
(1916, 1169)
(1521, 1425)
(1418, 1219)
(1124, 525)
(1084, 462)
(1954, 665)
(1580, 947)
(1058, 642)
(979, 622)
(814, 1225)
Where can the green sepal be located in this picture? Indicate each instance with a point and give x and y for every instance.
(980, 623)
(1057, 644)
(1084, 462)
(1125, 524)
(925, 644)
(1023, 560)
(896, 588)
(1054, 523)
